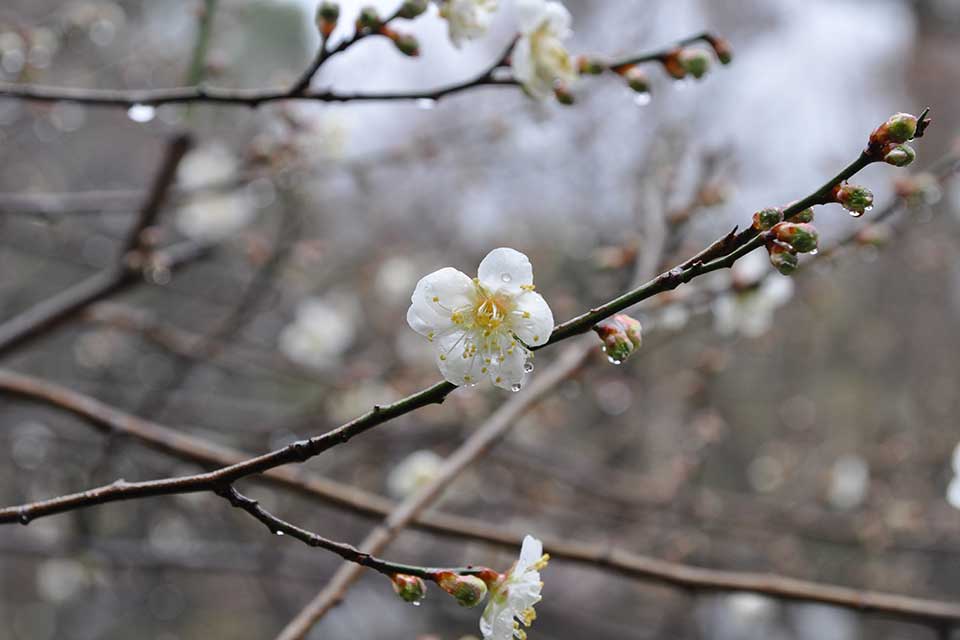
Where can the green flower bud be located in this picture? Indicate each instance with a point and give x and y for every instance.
(722, 48)
(564, 95)
(411, 9)
(409, 588)
(468, 591)
(854, 198)
(327, 15)
(766, 218)
(590, 66)
(696, 62)
(407, 44)
(621, 336)
(804, 216)
(369, 19)
(783, 260)
(900, 155)
(901, 127)
(801, 236)
(637, 80)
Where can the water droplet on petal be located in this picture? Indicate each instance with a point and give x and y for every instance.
(613, 360)
(426, 103)
(141, 113)
(855, 214)
(641, 99)
(515, 388)
(814, 252)
(279, 533)
(870, 208)
(415, 603)
(505, 277)
(528, 367)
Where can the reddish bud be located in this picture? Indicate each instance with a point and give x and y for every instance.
(468, 591)
(766, 218)
(721, 48)
(409, 588)
(783, 259)
(591, 66)
(854, 198)
(621, 336)
(696, 62)
(673, 66)
(802, 236)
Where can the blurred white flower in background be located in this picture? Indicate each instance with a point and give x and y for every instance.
(953, 489)
(319, 334)
(481, 327)
(394, 278)
(758, 293)
(467, 19)
(413, 472)
(512, 598)
(212, 216)
(540, 61)
(849, 482)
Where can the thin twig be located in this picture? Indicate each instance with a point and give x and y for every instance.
(256, 97)
(197, 450)
(303, 450)
(53, 311)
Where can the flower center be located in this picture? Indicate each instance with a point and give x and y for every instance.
(489, 312)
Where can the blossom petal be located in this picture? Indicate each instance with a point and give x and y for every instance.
(507, 371)
(530, 14)
(530, 553)
(557, 18)
(436, 297)
(505, 269)
(531, 318)
(459, 363)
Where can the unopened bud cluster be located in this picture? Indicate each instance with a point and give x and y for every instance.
(888, 141)
(621, 335)
(787, 238)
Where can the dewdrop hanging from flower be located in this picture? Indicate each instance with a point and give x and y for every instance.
(483, 327)
(540, 61)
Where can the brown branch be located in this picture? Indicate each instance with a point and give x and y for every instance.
(303, 450)
(52, 312)
(193, 449)
(479, 442)
(255, 97)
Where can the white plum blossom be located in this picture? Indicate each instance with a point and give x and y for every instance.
(512, 596)
(318, 335)
(482, 327)
(467, 19)
(540, 61)
(212, 216)
(750, 309)
(416, 470)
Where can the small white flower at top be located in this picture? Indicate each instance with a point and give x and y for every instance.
(467, 19)
(318, 335)
(540, 61)
(482, 327)
(757, 294)
(514, 594)
(415, 471)
(214, 215)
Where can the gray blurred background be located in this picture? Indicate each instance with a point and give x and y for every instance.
(818, 449)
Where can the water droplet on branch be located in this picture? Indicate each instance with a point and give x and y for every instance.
(141, 113)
